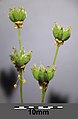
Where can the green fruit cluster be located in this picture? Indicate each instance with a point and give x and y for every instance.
(20, 59)
(17, 15)
(42, 74)
(60, 33)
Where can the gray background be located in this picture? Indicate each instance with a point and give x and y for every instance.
(37, 36)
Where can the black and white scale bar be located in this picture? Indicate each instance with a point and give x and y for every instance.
(50, 107)
(38, 107)
(45, 107)
(60, 107)
(25, 107)
(20, 108)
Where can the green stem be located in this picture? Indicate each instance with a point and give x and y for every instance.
(19, 39)
(55, 57)
(43, 95)
(20, 45)
(21, 95)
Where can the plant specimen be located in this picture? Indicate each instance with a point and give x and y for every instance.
(44, 74)
(19, 58)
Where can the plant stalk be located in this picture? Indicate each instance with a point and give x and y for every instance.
(20, 46)
(55, 57)
(21, 94)
(19, 39)
(43, 95)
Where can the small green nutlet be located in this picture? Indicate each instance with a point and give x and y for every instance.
(17, 16)
(66, 34)
(20, 59)
(35, 71)
(57, 32)
(61, 34)
(42, 74)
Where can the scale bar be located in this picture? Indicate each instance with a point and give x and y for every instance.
(38, 107)
(60, 107)
(20, 108)
(44, 107)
